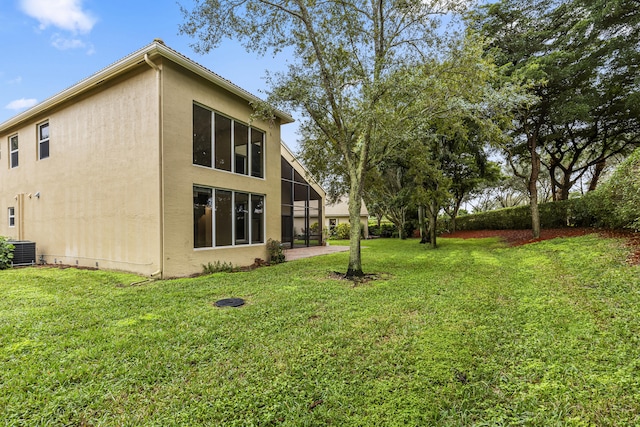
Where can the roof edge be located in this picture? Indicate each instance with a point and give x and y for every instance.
(156, 48)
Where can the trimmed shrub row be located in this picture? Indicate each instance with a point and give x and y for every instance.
(615, 205)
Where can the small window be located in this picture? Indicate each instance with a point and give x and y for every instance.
(43, 140)
(332, 224)
(12, 217)
(13, 148)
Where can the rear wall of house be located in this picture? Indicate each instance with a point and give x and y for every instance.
(95, 200)
(180, 91)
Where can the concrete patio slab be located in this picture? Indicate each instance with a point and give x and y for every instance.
(298, 253)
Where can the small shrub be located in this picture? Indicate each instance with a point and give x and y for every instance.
(385, 230)
(218, 267)
(276, 254)
(621, 194)
(6, 253)
(341, 231)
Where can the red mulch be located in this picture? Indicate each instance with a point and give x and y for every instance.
(523, 237)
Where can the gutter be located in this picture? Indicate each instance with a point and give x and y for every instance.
(160, 165)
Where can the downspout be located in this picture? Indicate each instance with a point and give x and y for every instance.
(151, 64)
(19, 216)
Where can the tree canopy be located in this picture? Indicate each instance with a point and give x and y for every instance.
(581, 57)
(344, 54)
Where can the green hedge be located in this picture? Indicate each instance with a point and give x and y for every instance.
(615, 205)
(552, 215)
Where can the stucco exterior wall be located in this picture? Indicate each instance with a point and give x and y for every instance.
(99, 188)
(180, 90)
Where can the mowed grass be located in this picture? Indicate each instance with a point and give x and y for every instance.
(472, 333)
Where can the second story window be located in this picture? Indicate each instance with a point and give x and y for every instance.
(13, 148)
(223, 143)
(43, 140)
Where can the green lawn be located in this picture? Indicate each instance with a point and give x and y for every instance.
(472, 333)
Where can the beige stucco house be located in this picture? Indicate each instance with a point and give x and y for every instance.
(338, 213)
(153, 165)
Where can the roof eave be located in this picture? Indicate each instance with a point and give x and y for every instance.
(127, 63)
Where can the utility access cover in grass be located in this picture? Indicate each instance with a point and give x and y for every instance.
(230, 302)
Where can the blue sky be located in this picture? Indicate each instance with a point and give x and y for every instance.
(49, 45)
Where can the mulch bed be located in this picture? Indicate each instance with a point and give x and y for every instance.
(523, 237)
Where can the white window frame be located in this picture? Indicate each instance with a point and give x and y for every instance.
(233, 227)
(248, 166)
(11, 215)
(262, 158)
(12, 151)
(42, 141)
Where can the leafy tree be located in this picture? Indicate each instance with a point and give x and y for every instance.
(581, 59)
(468, 110)
(620, 195)
(467, 173)
(387, 186)
(345, 51)
(595, 117)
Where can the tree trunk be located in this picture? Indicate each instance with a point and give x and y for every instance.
(433, 222)
(456, 209)
(355, 204)
(424, 236)
(597, 172)
(533, 191)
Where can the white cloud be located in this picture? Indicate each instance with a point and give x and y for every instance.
(64, 14)
(15, 81)
(20, 104)
(62, 43)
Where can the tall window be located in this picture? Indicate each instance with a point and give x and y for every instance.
(226, 218)
(12, 217)
(257, 219)
(43, 140)
(222, 142)
(202, 217)
(257, 156)
(201, 136)
(241, 147)
(13, 148)
(226, 144)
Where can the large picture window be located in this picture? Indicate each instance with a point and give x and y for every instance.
(226, 218)
(43, 140)
(226, 144)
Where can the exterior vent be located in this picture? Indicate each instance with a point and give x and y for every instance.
(24, 252)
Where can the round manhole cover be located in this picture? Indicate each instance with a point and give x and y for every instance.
(230, 302)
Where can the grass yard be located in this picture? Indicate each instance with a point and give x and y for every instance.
(473, 333)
